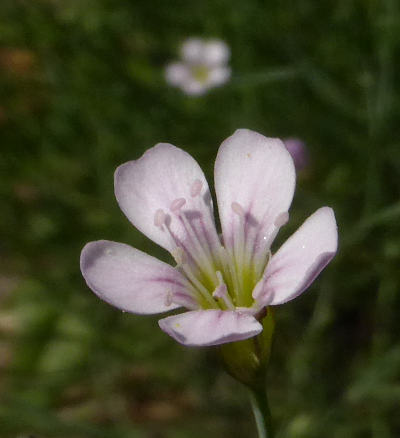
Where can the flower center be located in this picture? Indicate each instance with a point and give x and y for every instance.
(200, 73)
(219, 277)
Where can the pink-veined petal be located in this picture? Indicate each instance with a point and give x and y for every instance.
(300, 259)
(254, 182)
(164, 177)
(130, 279)
(210, 327)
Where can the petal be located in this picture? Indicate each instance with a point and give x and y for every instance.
(254, 182)
(218, 76)
(130, 279)
(215, 52)
(176, 73)
(193, 87)
(192, 50)
(300, 259)
(210, 327)
(150, 185)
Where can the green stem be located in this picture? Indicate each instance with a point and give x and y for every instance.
(262, 414)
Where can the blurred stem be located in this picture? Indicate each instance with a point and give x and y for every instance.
(266, 77)
(329, 92)
(261, 411)
(379, 102)
(387, 214)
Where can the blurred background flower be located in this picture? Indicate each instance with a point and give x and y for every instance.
(88, 94)
(203, 66)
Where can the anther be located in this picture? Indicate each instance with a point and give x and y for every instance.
(221, 291)
(177, 204)
(220, 277)
(238, 209)
(196, 187)
(282, 219)
(159, 218)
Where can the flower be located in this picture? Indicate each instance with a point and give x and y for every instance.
(203, 66)
(225, 283)
(297, 149)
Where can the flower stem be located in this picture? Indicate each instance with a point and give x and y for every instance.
(262, 414)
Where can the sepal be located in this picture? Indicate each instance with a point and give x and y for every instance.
(247, 361)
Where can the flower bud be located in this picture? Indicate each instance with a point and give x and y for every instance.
(298, 151)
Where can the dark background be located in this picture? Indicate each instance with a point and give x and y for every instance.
(81, 91)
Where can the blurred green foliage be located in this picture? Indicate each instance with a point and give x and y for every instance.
(82, 90)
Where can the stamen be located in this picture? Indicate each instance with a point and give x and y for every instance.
(194, 285)
(229, 268)
(220, 277)
(159, 218)
(238, 209)
(221, 292)
(195, 189)
(221, 289)
(177, 204)
(200, 253)
(260, 264)
(239, 244)
(282, 219)
(181, 259)
(182, 299)
(199, 287)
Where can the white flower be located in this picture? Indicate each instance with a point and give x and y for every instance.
(224, 283)
(203, 66)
